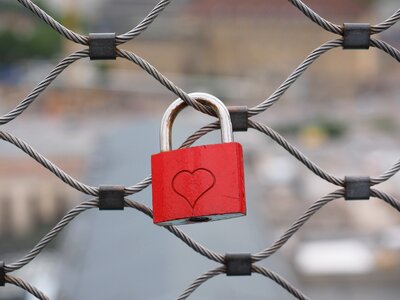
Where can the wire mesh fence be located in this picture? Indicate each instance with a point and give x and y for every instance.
(350, 36)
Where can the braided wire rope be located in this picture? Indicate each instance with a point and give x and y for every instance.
(51, 235)
(200, 280)
(256, 269)
(146, 182)
(20, 108)
(313, 16)
(280, 281)
(26, 286)
(385, 25)
(49, 20)
(84, 40)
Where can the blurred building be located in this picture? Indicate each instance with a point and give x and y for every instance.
(342, 114)
(255, 42)
(32, 198)
(27, 201)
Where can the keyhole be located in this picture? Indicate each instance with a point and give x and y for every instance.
(199, 219)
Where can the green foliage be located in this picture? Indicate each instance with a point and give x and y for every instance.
(14, 48)
(333, 129)
(37, 42)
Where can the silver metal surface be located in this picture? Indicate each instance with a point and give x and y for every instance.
(176, 107)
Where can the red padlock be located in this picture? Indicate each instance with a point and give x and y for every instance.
(202, 183)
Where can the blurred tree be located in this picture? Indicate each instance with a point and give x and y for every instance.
(17, 44)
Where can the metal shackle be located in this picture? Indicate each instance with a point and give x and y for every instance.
(178, 105)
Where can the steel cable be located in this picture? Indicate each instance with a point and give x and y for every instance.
(199, 281)
(84, 40)
(64, 31)
(385, 25)
(280, 281)
(178, 233)
(89, 190)
(146, 66)
(26, 286)
(296, 153)
(387, 174)
(297, 225)
(72, 214)
(387, 198)
(74, 183)
(313, 16)
(43, 85)
(144, 24)
(256, 269)
(312, 57)
(389, 49)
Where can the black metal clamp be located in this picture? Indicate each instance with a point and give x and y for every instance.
(239, 117)
(238, 264)
(102, 46)
(111, 197)
(356, 35)
(357, 188)
(2, 274)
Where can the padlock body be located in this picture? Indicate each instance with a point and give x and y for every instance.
(198, 184)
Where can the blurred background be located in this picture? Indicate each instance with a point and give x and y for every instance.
(99, 121)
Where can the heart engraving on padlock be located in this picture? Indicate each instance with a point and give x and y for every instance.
(192, 185)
